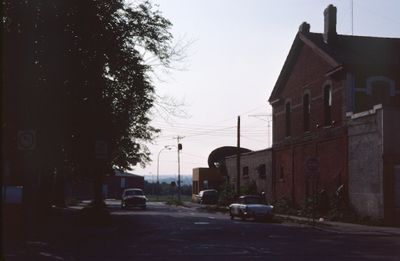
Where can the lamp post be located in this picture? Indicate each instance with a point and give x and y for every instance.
(158, 166)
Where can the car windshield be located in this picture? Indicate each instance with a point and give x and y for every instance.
(252, 200)
(133, 192)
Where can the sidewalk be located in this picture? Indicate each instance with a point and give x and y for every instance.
(329, 226)
(345, 228)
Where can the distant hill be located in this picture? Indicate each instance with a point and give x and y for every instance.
(185, 179)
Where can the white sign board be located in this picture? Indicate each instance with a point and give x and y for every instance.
(12, 194)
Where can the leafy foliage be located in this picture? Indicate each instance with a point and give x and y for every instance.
(226, 194)
(165, 189)
(77, 72)
(249, 188)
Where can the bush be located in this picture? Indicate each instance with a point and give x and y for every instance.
(174, 201)
(284, 206)
(249, 189)
(226, 194)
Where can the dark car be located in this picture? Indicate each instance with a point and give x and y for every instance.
(208, 196)
(133, 197)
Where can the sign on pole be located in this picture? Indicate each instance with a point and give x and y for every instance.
(26, 140)
(312, 167)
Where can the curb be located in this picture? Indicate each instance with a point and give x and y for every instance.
(345, 228)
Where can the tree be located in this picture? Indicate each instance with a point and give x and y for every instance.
(83, 64)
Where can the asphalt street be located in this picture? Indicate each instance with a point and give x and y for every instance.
(164, 232)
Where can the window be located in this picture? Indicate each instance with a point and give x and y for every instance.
(245, 172)
(306, 112)
(380, 93)
(262, 173)
(327, 105)
(287, 119)
(281, 173)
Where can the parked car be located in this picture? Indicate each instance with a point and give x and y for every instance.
(133, 197)
(251, 206)
(208, 196)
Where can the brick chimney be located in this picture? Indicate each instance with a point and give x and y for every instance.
(330, 24)
(304, 27)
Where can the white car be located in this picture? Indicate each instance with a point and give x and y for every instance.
(251, 206)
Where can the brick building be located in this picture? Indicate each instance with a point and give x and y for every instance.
(374, 163)
(325, 77)
(206, 178)
(113, 186)
(255, 167)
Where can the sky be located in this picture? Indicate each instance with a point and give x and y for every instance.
(236, 51)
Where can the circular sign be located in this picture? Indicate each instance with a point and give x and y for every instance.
(26, 140)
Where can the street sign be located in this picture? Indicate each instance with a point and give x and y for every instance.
(26, 139)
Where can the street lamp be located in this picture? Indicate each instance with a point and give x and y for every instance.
(168, 147)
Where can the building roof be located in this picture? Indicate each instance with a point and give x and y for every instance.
(119, 173)
(249, 153)
(345, 51)
(359, 50)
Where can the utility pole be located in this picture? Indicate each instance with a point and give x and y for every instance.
(268, 119)
(179, 148)
(238, 157)
(352, 17)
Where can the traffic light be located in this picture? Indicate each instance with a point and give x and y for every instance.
(179, 146)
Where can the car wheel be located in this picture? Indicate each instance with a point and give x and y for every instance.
(269, 219)
(230, 213)
(242, 216)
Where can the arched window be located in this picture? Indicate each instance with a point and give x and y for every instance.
(327, 105)
(306, 112)
(287, 119)
(381, 89)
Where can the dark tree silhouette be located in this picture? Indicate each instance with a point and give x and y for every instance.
(76, 72)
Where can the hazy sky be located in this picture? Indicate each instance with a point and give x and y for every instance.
(237, 51)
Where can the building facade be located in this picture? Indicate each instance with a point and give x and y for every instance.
(206, 178)
(373, 163)
(255, 171)
(113, 186)
(324, 78)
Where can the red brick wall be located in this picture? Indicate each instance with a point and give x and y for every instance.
(301, 154)
(332, 159)
(328, 144)
(283, 173)
(308, 75)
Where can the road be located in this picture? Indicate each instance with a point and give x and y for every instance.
(163, 232)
